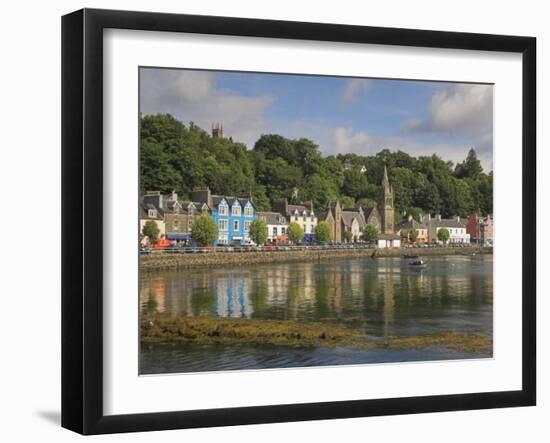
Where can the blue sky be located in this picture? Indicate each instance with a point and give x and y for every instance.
(340, 114)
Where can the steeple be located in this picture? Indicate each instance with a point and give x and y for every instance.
(386, 204)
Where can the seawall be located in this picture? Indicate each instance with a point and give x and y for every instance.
(167, 261)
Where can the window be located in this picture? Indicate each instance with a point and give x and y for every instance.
(283, 231)
(222, 225)
(222, 209)
(152, 213)
(189, 223)
(236, 224)
(274, 231)
(236, 210)
(248, 211)
(247, 225)
(175, 224)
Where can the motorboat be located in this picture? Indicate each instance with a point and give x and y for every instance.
(418, 264)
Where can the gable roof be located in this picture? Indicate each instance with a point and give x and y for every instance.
(410, 224)
(273, 218)
(216, 200)
(348, 217)
(446, 223)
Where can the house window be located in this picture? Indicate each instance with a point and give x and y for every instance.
(274, 231)
(152, 213)
(189, 223)
(222, 209)
(236, 225)
(222, 225)
(247, 225)
(236, 211)
(248, 211)
(283, 231)
(175, 225)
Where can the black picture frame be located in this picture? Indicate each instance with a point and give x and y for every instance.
(82, 218)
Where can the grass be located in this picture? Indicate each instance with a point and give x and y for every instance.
(209, 330)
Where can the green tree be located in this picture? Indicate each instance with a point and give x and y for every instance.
(366, 203)
(415, 213)
(204, 231)
(355, 183)
(469, 168)
(370, 233)
(413, 235)
(258, 231)
(295, 232)
(322, 232)
(443, 235)
(347, 202)
(151, 230)
(348, 236)
(319, 190)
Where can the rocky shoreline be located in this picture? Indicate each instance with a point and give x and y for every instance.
(170, 261)
(231, 331)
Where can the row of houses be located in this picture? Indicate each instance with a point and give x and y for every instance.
(233, 216)
(475, 229)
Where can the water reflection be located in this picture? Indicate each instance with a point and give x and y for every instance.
(383, 296)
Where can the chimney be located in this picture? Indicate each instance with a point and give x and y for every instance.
(174, 196)
(458, 218)
(410, 217)
(202, 195)
(438, 217)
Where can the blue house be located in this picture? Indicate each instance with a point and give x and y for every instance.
(233, 215)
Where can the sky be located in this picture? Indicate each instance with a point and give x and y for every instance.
(340, 114)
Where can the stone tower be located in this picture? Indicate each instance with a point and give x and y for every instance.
(386, 205)
(217, 130)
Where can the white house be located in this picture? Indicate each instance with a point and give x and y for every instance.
(148, 211)
(277, 226)
(455, 226)
(388, 241)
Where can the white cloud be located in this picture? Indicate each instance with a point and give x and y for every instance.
(345, 140)
(461, 112)
(342, 140)
(194, 96)
(458, 109)
(354, 88)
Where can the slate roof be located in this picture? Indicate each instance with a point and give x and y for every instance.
(388, 237)
(273, 218)
(300, 209)
(216, 199)
(367, 211)
(144, 211)
(348, 216)
(446, 223)
(322, 215)
(409, 224)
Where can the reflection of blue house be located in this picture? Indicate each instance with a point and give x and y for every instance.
(232, 215)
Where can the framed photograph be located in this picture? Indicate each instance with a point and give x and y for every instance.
(269, 221)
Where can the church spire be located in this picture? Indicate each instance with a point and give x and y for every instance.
(386, 204)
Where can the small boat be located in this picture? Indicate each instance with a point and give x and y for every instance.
(418, 264)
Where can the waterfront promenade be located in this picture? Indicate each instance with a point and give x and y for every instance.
(164, 260)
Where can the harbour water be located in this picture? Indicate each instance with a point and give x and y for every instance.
(383, 297)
